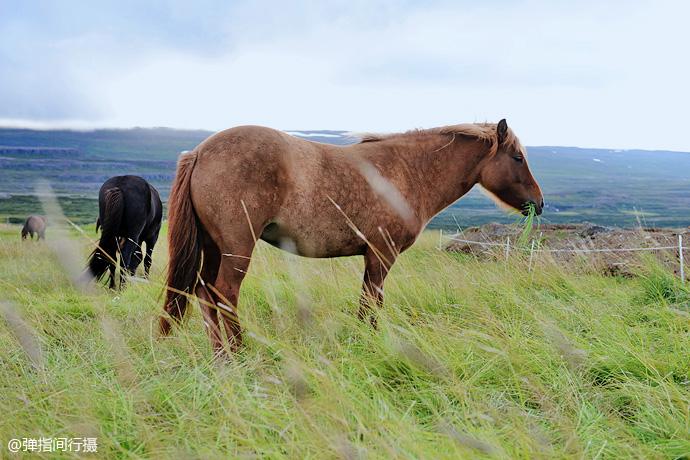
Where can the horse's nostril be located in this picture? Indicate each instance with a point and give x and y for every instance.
(540, 207)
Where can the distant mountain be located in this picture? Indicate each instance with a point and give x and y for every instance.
(609, 187)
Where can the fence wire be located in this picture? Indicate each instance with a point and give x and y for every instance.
(532, 249)
(513, 248)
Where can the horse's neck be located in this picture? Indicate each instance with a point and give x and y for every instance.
(441, 169)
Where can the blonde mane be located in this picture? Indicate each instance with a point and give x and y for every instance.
(481, 131)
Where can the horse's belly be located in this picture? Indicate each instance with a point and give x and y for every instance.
(313, 241)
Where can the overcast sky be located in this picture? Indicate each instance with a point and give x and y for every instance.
(592, 74)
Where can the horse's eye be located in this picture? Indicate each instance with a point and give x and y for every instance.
(518, 158)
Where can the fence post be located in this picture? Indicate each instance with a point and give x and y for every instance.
(507, 247)
(440, 239)
(531, 253)
(680, 257)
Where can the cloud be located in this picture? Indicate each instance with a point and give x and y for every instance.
(602, 74)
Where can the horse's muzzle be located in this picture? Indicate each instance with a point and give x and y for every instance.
(538, 207)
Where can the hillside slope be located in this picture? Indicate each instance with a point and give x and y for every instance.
(608, 187)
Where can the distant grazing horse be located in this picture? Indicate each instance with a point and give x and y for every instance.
(372, 198)
(34, 224)
(129, 214)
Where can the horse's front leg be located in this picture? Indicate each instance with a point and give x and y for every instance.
(137, 257)
(112, 267)
(128, 259)
(375, 271)
(150, 244)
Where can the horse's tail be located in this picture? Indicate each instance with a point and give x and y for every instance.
(103, 256)
(184, 245)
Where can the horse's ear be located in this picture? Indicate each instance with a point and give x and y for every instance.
(502, 130)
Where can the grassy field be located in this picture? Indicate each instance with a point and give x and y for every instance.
(472, 359)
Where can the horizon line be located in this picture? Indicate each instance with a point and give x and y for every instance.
(85, 127)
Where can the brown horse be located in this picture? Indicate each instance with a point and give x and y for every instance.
(372, 198)
(34, 224)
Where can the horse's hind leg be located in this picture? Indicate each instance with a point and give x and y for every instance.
(233, 268)
(207, 301)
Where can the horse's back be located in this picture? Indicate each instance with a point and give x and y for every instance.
(238, 167)
(142, 204)
(283, 184)
(134, 184)
(35, 223)
(252, 143)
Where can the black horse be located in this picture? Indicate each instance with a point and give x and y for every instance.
(129, 214)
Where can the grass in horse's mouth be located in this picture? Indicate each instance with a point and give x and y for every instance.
(527, 223)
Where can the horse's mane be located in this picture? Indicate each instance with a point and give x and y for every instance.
(481, 131)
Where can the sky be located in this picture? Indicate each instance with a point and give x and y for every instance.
(590, 74)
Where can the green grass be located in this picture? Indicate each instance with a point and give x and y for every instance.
(471, 359)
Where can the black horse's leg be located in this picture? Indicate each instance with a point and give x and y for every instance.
(148, 260)
(127, 252)
(112, 265)
(137, 257)
(150, 244)
(128, 259)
